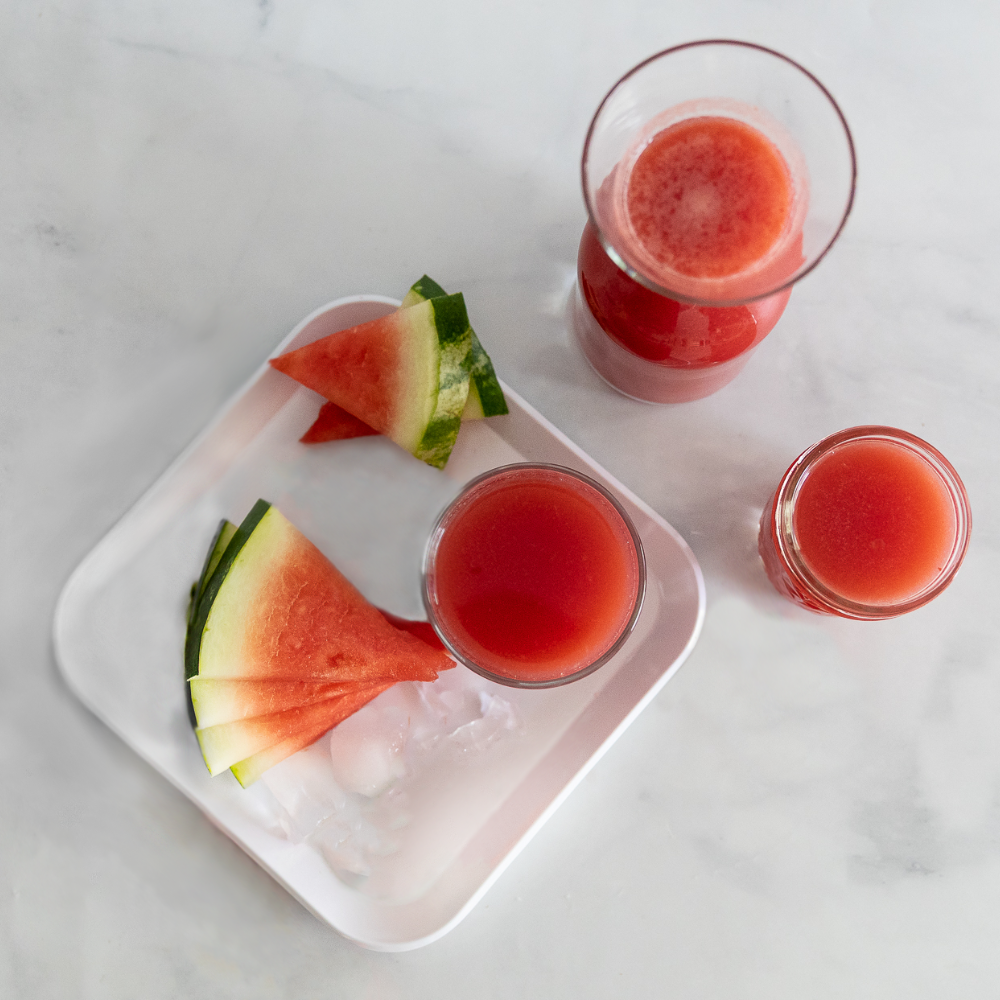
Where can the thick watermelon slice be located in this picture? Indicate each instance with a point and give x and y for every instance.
(277, 608)
(334, 423)
(486, 398)
(404, 375)
(247, 771)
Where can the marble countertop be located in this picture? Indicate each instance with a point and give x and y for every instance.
(812, 807)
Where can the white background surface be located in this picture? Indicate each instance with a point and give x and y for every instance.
(812, 807)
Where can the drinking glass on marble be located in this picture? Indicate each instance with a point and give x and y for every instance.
(716, 175)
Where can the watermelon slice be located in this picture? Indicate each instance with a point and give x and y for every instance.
(284, 647)
(248, 770)
(334, 423)
(404, 375)
(277, 608)
(223, 699)
(486, 398)
(230, 742)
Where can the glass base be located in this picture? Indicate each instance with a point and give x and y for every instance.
(639, 378)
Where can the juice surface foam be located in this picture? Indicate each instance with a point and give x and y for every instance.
(708, 197)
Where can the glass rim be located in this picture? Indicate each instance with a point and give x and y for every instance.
(437, 531)
(783, 507)
(661, 289)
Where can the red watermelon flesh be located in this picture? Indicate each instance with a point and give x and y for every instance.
(285, 612)
(362, 369)
(405, 374)
(334, 423)
(220, 699)
(247, 771)
(422, 630)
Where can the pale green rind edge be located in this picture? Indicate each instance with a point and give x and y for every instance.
(207, 593)
(486, 398)
(261, 538)
(419, 363)
(451, 323)
(216, 548)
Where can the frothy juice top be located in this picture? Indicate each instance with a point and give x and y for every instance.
(874, 522)
(708, 197)
(535, 574)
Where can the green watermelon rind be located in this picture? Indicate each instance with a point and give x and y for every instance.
(206, 599)
(216, 547)
(220, 540)
(451, 322)
(421, 290)
(486, 398)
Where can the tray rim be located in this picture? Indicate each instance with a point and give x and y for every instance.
(148, 497)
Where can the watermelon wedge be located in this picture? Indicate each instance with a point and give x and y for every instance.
(334, 423)
(404, 375)
(248, 770)
(486, 398)
(276, 607)
(284, 648)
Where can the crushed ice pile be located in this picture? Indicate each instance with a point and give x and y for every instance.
(348, 795)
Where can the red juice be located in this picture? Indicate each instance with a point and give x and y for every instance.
(708, 199)
(870, 519)
(533, 575)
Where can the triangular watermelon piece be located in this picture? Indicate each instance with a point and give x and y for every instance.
(405, 375)
(485, 399)
(277, 608)
(334, 423)
(247, 771)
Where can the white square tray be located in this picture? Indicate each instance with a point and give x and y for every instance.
(119, 632)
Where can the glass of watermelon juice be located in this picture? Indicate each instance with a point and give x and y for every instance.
(870, 523)
(716, 174)
(534, 575)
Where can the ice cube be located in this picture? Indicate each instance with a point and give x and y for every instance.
(497, 716)
(367, 748)
(306, 791)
